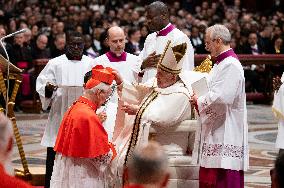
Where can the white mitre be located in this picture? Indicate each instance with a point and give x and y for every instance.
(170, 60)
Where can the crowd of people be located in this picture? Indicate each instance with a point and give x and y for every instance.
(116, 69)
(253, 32)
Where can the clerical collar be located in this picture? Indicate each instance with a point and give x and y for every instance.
(113, 58)
(166, 30)
(226, 54)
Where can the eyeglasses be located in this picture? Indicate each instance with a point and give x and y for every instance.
(210, 41)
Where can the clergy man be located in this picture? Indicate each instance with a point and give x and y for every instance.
(127, 66)
(158, 22)
(162, 103)
(59, 84)
(82, 148)
(223, 115)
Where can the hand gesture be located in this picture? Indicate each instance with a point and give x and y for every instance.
(151, 61)
(117, 78)
(102, 116)
(49, 88)
(130, 109)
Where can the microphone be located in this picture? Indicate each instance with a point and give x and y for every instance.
(13, 34)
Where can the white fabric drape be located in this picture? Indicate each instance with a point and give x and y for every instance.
(69, 172)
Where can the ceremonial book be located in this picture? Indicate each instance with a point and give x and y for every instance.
(200, 87)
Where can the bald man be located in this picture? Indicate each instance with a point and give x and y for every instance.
(158, 22)
(40, 50)
(126, 64)
(148, 167)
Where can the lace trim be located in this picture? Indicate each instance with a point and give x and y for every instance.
(221, 150)
(102, 159)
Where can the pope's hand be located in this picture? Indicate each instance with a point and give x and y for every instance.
(130, 109)
(102, 116)
(117, 78)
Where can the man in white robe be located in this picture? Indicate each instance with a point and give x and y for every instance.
(162, 103)
(59, 84)
(278, 110)
(127, 66)
(157, 19)
(223, 115)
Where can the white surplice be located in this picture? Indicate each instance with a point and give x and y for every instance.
(223, 117)
(68, 75)
(128, 70)
(278, 110)
(158, 44)
(165, 110)
(70, 172)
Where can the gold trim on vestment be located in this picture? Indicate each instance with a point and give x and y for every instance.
(136, 127)
(166, 69)
(277, 113)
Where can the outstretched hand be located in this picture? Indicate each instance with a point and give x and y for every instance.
(151, 61)
(102, 116)
(117, 78)
(130, 109)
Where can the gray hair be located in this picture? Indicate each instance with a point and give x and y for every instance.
(148, 164)
(6, 131)
(100, 86)
(220, 31)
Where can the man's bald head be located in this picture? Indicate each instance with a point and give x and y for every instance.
(116, 40)
(114, 30)
(148, 165)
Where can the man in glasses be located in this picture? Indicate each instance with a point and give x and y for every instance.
(59, 84)
(223, 114)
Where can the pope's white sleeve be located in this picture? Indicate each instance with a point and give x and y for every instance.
(170, 111)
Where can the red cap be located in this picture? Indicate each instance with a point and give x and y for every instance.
(100, 75)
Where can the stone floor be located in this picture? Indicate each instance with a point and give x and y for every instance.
(262, 135)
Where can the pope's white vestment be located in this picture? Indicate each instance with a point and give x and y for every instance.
(160, 108)
(128, 68)
(278, 110)
(223, 117)
(157, 43)
(68, 75)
